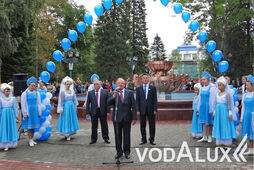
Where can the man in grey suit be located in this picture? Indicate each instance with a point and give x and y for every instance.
(97, 107)
(124, 114)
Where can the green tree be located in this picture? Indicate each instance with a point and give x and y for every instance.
(113, 35)
(157, 49)
(139, 39)
(176, 58)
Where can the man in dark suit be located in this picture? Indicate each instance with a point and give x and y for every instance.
(97, 107)
(146, 97)
(124, 114)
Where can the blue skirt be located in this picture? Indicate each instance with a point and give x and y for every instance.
(8, 128)
(68, 121)
(247, 124)
(32, 122)
(196, 126)
(223, 128)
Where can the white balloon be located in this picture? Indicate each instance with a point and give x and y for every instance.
(42, 130)
(49, 117)
(49, 95)
(37, 135)
(43, 107)
(46, 102)
(237, 104)
(46, 124)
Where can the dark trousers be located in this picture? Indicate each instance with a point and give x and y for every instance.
(151, 120)
(122, 131)
(104, 126)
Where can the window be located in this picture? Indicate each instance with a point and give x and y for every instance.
(194, 56)
(187, 57)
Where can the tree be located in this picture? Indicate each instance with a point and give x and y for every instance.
(139, 41)
(113, 34)
(176, 58)
(157, 49)
(229, 24)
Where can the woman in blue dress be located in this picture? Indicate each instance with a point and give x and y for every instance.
(205, 107)
(196, 126)
(223, 126)
(67, 104)
(8, 115)
(31, 109)
(247, 116)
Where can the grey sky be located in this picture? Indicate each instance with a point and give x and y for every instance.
(162, 20)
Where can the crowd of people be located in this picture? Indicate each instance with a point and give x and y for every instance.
(214, 116)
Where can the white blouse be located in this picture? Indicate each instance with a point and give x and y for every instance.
(67, 96)
(9, 102)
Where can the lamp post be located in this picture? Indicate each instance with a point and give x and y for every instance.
(132, 62)
(70, 59)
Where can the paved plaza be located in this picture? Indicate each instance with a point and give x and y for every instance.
(57, 153)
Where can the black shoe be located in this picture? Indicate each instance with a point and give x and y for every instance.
(127, 156)
(143, 142)
(107, 141)
(152, 143)
(92, 142)
(118, 156)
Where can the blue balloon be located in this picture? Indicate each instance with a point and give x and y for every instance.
(58, 55)
(43, 96)
(210, 46)
(107, 4)
(194, 25)
(46, 135)
(230, 86)
(48, 107)
(165, 2)
(236, 122)
(94, 76)
(223, 66)
(202, 36)
(178, 8)
(36, 129)
(45, 113)
(114, 86)
(66, 44)
(217, 55)
(42, 119)
(51, 66)
(185, 16)
(49, 128)
(238, 115)
(45, 76)
(119, 1)
(88, 19)
(235, 98)
(73, 35)
(98, 9)
(81, 27)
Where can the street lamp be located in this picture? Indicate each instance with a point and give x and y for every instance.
(70, 59)
(132, 62)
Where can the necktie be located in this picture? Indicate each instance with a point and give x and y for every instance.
(121, 95)
(97, 97)
(145, 90)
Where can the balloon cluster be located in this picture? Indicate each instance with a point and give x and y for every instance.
(73, 36)
(44, 132)
(202, 36)
(236, 103)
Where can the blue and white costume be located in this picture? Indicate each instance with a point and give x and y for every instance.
(67, 104)
(196, 126)
(224, 129)
(8, 114)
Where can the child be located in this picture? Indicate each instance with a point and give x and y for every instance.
(196, 126)
(67, 104)
(31, 109)
(247, 114)
(205, 107)
(8, 115)
(223, 127)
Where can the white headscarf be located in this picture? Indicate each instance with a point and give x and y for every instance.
(198, 86)
(5, 86)
(62, 89)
